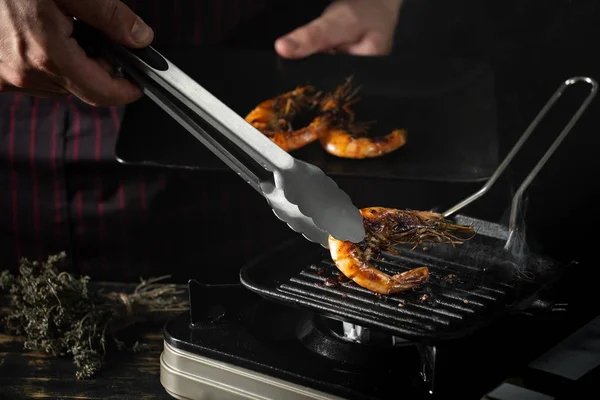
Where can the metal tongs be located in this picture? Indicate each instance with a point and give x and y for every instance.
(299, 193)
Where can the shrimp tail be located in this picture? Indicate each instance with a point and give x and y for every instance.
(412, 278)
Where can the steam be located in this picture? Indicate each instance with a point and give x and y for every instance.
(498, 251)
(516, 248)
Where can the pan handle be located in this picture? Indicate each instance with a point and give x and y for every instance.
(517, 198)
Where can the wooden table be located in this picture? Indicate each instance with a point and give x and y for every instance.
(33, 375)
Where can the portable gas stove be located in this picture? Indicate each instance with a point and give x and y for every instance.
(240, 346)
(237, 344)
(295, 328)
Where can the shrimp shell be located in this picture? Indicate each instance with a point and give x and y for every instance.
(277, 113)
(274, 117)
(290, 141)
(385, 228)
(346, 138)
(348, 261)
(344, 144)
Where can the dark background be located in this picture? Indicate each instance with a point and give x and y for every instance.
(530, 48)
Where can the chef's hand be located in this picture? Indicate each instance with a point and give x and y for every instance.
(39, 56)
(358, 27)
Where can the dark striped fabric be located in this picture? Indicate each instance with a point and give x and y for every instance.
(63, 190)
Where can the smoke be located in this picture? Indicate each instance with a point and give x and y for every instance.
(498, 251)
(518, 254)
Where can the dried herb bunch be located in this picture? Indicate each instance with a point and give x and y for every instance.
(59, 313)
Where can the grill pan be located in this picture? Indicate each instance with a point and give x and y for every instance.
(470, 285)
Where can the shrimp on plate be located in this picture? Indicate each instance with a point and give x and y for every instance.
(385, 228)
(351, 142)
(295, 139)
(274, 117)
(346, 138)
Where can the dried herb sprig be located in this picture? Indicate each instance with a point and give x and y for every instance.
(58, 313)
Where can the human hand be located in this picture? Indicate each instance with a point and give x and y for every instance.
(39, 56)
(358, 27)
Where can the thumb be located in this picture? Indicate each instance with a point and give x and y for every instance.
(114, 19)
(319, 35)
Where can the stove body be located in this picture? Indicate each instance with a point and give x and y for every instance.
(252, 348)
(238, 343)
(285, 333)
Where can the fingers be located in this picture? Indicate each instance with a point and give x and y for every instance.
(322, 34)
(91, 81)
(40, 56)
(36, 84)
(114, 72)
(113, 18)
(370, 45)
(357, 27)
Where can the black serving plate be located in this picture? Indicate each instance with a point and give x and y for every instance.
(447, 106)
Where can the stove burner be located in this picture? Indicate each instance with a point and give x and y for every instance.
(359, 334)
(360, 348)
(325, 337)
(355, 333)
(427, 353)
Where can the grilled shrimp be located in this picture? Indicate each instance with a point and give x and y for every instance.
(293, 140)
(274, 118)
(385, 228)
(346, 138)
(345, 144)
(277, 113)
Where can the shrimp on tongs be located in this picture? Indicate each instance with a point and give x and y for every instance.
(385, 228)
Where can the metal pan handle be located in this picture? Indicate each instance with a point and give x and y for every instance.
(517, 198)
